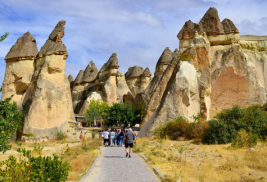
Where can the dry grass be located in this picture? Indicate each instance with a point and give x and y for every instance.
(192, 161)
(80, 155)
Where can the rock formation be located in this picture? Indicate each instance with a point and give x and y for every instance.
(109, 85)
(137, 79)
(123, 91)
(106, 79)
(19, 68)
(145, 79)
(153, 94)
(71, 80)
(215, 69)
(47, 104)
(161, 66)
(218, 33)
(83, 81)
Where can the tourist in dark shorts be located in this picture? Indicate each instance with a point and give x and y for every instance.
(106, 134)
(129, 139)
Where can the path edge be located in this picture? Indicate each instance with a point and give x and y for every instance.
(154, 168)
(91, 168)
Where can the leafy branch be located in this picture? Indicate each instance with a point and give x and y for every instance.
(3, 37)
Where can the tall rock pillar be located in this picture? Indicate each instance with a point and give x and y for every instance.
(19, 68)
(47, 105)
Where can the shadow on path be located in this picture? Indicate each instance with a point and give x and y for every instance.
(114, 157)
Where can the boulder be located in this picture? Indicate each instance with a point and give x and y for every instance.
(19, 68)
(48, 105)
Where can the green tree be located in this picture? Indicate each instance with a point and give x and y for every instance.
(124, 114)
(139, 110)
(3, 37)
(97, 109)
(10, 122)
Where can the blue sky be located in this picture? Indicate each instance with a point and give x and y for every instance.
(137, 30)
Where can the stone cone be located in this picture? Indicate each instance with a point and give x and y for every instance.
(19, 68)
(48, 105)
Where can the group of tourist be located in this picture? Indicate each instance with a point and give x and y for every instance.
(113, 137)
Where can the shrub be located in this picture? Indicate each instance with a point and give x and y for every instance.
(181, 128)
(38, 148)
(10, 122)
(34, 168)
(59, 134)
(256, 119)
(229, 122)
(244, 139)
(216, 133)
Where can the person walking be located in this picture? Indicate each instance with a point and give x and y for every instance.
(129, 139)
(108, 137)
(112, 136)
(116, 138)
(135, 135)
(106, 134)
(121, 136)
(81, 136)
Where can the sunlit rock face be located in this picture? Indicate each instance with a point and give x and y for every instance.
(108, 84)
(218, 33)
(216, 69)
(84, 80)
(137, 79)
(47, 104)
(19, 68)
(154, 92)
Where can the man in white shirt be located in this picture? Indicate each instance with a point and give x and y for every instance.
(106, 134)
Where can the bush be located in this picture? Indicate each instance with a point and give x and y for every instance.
(216, 133)
(229, 122)
(35, 168)
(10, 122)
(59, 134)
(181, 128)
(256, 119)
(244, 139)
